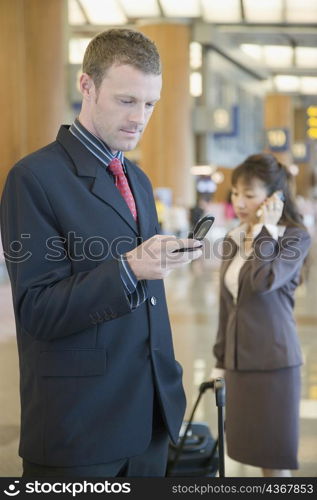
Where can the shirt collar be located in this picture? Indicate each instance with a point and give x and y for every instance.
(95, 145)
(238, 233)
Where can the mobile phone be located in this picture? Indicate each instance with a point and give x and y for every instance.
(202, 227)
(281, 196)
(200, 231)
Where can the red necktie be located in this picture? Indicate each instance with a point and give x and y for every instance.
(122, 184)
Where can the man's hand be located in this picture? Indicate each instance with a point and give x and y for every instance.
(156, 257)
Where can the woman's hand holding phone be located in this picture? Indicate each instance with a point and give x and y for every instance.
(271, 209)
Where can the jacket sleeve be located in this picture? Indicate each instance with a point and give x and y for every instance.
(274, 263)
(50, 301)
(220, 344)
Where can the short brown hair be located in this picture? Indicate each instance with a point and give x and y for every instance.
(120, 46)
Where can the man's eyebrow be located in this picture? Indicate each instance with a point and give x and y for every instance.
(129, 96)
(125, 95)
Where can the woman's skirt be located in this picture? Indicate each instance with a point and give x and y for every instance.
(262, 417)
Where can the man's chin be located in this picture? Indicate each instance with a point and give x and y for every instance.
(127, 145)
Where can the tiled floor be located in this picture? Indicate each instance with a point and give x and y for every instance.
(193, 305)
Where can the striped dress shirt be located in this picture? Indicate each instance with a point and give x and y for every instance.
(135, 290)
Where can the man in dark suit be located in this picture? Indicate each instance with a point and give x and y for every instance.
(101, 392)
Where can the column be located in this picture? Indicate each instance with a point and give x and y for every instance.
(32, 86)
(278, 124)
(301, 153)
(165, 151)
(12, 137)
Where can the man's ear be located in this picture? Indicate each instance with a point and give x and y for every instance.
(86, 86)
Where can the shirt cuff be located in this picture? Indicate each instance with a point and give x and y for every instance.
(271, 228)
(128, 277)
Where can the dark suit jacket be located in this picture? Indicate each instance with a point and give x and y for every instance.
(258, 332)
(88, 364)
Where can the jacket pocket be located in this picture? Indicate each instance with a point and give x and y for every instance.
(72, 363)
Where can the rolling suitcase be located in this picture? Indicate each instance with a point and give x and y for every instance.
(197, 453)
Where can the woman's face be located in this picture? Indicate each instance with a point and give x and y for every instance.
(247, 198)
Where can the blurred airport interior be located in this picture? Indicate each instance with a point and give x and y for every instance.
(239, 77)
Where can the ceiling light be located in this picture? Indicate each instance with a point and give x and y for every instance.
(141, 8)
(312, 111)
(75, 14)
(196, 84)
(278, 56)
(293, 169)
(312, 133)
(218, 177)
(103, 13)
(263, 11)
(183, 8)
(308, 85)
(221, 118)
(299, 150)
(226, 11)
(306, 57)
(287, 83)
(312, 122)
(253, 50)
(195, 55)
(301, 11)
(201, 170)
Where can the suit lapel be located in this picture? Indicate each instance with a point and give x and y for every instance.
(229, 250)
(141, 198)
(87, 165)
(105, 189)
(229, 253)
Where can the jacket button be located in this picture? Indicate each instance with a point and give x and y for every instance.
(153, 300)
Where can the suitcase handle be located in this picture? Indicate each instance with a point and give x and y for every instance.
(194, 447)
(201, 446)
(219, 386)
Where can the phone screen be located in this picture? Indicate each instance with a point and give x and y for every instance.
(202, 227)
(200, 231)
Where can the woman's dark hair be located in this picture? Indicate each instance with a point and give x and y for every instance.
(275, 177)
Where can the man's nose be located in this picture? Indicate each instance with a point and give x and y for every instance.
(137, 115)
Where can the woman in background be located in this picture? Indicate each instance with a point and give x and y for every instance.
(257, 347)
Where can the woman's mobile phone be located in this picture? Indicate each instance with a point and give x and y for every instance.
(281, 196)
(200, 231)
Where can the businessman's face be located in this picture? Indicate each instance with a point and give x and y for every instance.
(120, 109)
